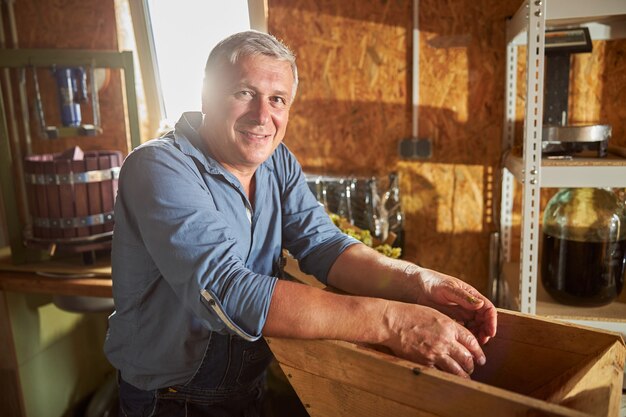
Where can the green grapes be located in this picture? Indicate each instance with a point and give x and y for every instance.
(389, 251)
(364, 236)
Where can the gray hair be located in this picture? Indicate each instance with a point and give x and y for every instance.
(246, 44)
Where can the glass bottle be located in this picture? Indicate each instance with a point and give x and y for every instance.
(391, 200)
(345, 191)
(584, 246)
(377, 213)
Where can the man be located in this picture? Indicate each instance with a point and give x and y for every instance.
(202, 216)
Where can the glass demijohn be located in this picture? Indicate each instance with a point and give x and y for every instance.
(584, 245)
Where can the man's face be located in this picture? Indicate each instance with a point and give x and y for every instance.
(246, 114)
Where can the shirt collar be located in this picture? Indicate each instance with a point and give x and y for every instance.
(187, 137)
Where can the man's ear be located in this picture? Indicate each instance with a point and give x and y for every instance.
(205, 97)
(205, 100)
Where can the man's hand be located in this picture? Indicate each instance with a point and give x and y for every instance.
(434, 319)
(426, 336)
(458, 300)
(414, 332)
(363, 271)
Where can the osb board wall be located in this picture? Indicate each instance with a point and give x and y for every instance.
(72, 24)
(346, 52)
(598, 85)
(354, 106)
(597, 82)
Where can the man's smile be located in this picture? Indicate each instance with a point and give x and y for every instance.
(255, 135)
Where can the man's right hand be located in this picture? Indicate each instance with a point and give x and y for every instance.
(424, 335)
(418, 333)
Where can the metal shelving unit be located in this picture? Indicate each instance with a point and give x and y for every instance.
(606, 19)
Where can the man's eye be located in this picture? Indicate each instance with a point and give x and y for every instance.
(279, 100)
(244, 94)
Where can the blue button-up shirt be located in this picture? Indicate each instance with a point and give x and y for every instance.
(190, 254)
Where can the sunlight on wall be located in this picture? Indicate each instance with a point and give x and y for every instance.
(450, 195)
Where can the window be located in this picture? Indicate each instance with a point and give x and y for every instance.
(184, 32)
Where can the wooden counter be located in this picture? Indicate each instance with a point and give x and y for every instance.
(60, 277)
(70, 277)
(32, 282)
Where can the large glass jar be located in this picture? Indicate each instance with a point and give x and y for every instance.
(584, 246)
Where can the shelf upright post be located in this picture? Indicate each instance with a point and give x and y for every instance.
(508, 137)
(529, 258)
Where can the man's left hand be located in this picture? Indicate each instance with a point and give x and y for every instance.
(460, 301)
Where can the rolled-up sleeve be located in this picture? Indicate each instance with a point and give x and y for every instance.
(309, 233)
(165, 199)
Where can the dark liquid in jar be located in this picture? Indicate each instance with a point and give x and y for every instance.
(583, 273)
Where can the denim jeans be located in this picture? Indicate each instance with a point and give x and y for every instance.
(228, 383)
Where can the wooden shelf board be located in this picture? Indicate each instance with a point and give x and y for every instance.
(29, 282)
(548, 307)
(73, 278)
(578, 172)
(610, 161)
(62, 266)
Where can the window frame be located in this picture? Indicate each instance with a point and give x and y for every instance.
(146, 55)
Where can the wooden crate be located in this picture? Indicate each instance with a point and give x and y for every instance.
(535, 367)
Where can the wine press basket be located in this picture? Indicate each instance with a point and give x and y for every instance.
(71, 197)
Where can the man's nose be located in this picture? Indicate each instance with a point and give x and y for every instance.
(260, 111)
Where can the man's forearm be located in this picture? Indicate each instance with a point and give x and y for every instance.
(411, 331)
(300, 311)
(361, 270)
